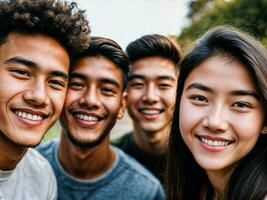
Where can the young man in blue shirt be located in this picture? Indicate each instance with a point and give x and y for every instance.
(85, 165)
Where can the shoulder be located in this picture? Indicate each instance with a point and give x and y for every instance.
(139, 177)
(34, 161)
(38, 173)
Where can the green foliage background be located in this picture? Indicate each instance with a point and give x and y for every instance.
(53, 132)
(247, 15)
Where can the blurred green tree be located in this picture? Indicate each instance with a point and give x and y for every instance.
(247, 15)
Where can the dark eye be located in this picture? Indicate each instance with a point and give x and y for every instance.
(137, 85)
(198, 98)
(20, 73)
(164, 86)
(108, 91)
(76, 85)
(57, 84)
(241, 106)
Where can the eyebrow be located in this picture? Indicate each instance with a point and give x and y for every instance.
(23, 61)
(199, 86)
(77, 75)
(33, 65)
(138, 76)
(60, 74)
(103, 80)
(235, 92)
(246, 93)
(110, 81)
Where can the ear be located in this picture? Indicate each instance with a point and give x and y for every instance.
(122, 106)
(264, 130)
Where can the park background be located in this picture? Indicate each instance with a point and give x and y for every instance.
(183, 20)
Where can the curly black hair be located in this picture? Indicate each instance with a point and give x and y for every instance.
(61, 20)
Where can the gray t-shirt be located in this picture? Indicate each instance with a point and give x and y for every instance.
(33, 179)
(126, 180)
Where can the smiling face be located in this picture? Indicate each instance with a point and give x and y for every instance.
(221, 114)
(151, 93)
(33, 77)
(93, 102)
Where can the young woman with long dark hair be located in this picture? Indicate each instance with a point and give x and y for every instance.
(217, 144)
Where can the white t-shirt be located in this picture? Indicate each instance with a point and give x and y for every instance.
(32, 179)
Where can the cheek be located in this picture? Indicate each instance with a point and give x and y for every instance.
(58, 99)
(185, 118)
(4, 92)
(71, 97)
(248, 127)
(112, 105)
(12, 85)
(169, 98)
(11, 91)
(132, 102)
(134, 96)
(189, 117)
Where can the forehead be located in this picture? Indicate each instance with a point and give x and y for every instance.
(38, 48)
(98, 67)
(223, 73)
(153, 67)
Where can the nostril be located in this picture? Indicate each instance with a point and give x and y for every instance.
(36, 97)
(215, 123)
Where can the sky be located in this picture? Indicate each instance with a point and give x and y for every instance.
(127, 20)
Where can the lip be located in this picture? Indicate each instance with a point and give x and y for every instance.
(29, 117)
(32, 111)
(86, 119)
(213, 144)
(150, 113)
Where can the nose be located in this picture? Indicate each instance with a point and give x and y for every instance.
(151, 95)
(90, 99)
(216, 120)
(37, 95)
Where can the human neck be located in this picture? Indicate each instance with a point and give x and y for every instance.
(85, 163)
(151, 143)
(219, 181)
(10, 153)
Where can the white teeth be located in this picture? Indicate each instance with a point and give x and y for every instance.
(28, 116)
(215, 143)
(24, 115)
(86, 117)
(151, 112)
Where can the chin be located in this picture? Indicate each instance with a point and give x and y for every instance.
(211, 166)
(28, 144)
(29, 141)
(151, 128)
(83, 143)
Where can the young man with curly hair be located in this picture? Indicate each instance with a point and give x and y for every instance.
(154, 70)
(36, 41)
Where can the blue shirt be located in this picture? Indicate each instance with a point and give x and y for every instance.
(126, 180)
